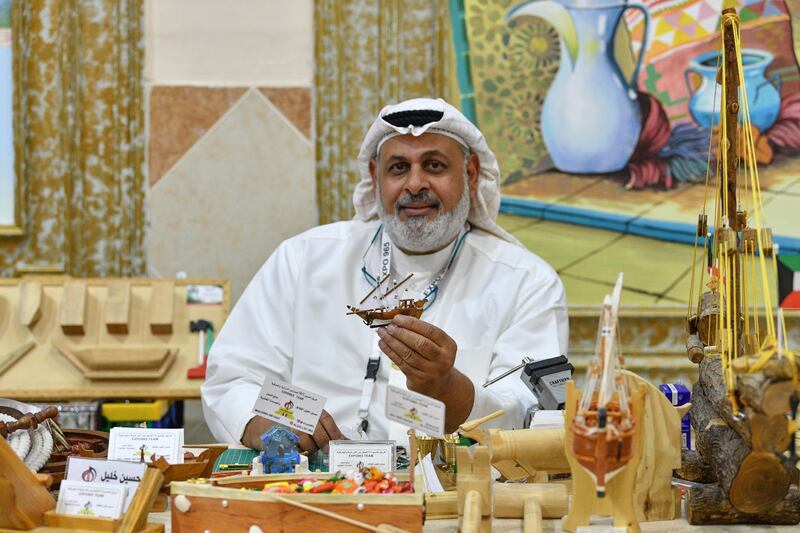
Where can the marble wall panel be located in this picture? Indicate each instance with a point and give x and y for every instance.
(294, 103)
(178, 117)
(240, 190)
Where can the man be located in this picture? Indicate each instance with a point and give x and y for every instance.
(426, 205)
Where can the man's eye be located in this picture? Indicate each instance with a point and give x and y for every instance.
(398, 167)
(435, 166)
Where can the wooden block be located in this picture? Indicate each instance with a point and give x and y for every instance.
(135, 518)
(161, 307)
(73, 308)
(118, 307)
(30, 303)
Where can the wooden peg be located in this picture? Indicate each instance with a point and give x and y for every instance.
(30, 303)
(161, 307)
(118, 307)
(694, 349)
(749, 240)
(767, 245)
(702, 225)
(474, 481)
(73, 308)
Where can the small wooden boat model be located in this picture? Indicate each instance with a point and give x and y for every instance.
(82, 443)
(604, 425)
(380, 316)
(192, 467)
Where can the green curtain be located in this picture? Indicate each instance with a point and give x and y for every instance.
(79, 137)
(370, 53)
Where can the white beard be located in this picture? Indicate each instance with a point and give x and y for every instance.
(420, 235)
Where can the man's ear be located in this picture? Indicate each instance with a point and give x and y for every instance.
(473, 174)
(373, 168)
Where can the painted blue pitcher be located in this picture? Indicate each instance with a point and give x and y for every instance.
(763, 94)
(590, 118)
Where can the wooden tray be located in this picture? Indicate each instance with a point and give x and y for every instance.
(223, 503)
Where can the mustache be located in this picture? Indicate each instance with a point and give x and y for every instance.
(424, 197)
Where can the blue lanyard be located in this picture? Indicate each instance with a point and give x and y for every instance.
(433, 289)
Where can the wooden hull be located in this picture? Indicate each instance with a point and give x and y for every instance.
(600, 452)
(192, 467)
(247, 508)
(380, 318)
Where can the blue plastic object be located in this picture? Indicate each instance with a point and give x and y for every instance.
(279, 450)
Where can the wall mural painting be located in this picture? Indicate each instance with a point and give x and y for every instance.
(600, 109)
(7, 181)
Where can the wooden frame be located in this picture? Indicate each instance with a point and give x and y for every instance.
(16, 229)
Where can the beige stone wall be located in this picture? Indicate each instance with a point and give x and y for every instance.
(230, 154)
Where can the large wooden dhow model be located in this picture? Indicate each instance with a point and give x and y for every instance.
(748, 376)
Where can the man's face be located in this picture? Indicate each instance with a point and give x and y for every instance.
(422, 176)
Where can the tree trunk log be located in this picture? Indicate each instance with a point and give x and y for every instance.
(713, 385)
(720, 446)
(707, 504)
(693, 468)
(765, 395)
(770, 433)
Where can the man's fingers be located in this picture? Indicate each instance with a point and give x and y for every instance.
(427, 330)
(400, 353)
(416, 342)
(306, 443)
(401, 363)
(330, 427)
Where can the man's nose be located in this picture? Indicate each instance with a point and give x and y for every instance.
(417, 180)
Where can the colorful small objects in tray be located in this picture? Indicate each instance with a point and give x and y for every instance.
(360, 481)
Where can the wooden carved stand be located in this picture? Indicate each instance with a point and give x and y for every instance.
(619, 499)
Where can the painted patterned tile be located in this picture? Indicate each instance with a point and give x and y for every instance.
(549, 187)
(512, 223)
(562, 244)
(591, 292)
(649, 265)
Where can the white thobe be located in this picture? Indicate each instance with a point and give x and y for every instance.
(499, 302)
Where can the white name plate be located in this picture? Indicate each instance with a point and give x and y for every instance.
(90, 499)
(86, 470)
(289, 405)
(415, 410)
(349, 454)
(135, 444)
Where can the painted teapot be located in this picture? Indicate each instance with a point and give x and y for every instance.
(590, 118)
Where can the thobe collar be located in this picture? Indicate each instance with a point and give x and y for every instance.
(421, 264)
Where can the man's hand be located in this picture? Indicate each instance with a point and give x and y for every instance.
(423, 352)
(325, 431)
(426, 354)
